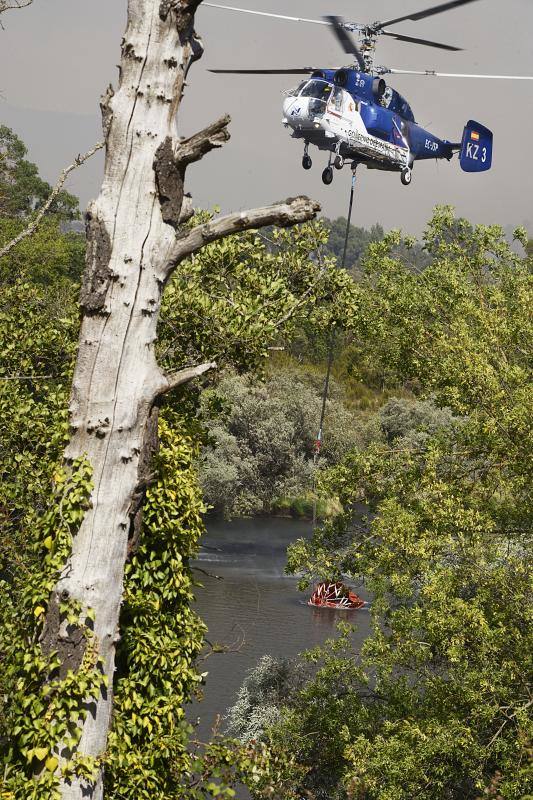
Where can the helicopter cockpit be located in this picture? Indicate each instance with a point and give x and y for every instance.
(322, 90)
(318, 93)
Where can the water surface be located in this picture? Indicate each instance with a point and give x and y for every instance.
(255, 607)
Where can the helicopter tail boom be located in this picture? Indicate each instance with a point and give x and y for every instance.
(476, 148)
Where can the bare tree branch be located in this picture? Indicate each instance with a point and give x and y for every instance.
(6, 5)
(32, 227)
(211, 137)
(284, 214)
(217, 648)
(292, 311)
(175, 379)
(209, 574)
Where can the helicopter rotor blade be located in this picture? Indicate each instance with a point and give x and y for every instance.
(427, 12)
(346, 41)
(267, 14)
(432, 74)
(297, 71)
(414, 40)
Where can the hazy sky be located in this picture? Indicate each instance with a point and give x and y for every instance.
(57, 56)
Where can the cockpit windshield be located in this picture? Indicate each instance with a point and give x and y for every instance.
(317, 88)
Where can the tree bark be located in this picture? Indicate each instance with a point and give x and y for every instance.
(134, 244)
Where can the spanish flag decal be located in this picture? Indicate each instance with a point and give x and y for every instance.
(475, 136)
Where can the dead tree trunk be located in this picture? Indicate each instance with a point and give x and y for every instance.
(135, 241)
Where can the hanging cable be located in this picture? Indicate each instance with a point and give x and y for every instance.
(331, 348)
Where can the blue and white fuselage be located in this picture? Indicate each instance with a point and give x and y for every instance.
(356, 116)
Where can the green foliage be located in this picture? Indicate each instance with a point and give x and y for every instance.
(303, 506)
(38, 331)
(266, 688)
(243, 294)
(411, 423)
(237, 297)
(43, 706)
(44, 258)
(410, 252)
(312, 342)
(150, 754)
(358, 240)
(262, 442)
(162, 636)
(51, 252)
(22, 190)
(437, 704)
(224, 763)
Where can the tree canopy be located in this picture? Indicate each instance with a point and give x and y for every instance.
(22, 190)
(261, 443)
(358, 240)
(437, 703)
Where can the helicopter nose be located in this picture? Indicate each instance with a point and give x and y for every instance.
(287, 103)
(292, 109)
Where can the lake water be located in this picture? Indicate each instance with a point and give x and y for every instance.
(255, 607)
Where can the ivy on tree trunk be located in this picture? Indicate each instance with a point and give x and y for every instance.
(135, 240)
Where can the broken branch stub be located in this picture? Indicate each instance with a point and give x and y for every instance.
(184, 376)
(170, 164)
(211, 137)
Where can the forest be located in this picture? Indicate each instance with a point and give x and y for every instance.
(163, 368)
(428, 424)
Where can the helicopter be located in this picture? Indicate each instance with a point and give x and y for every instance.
(353, 114)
